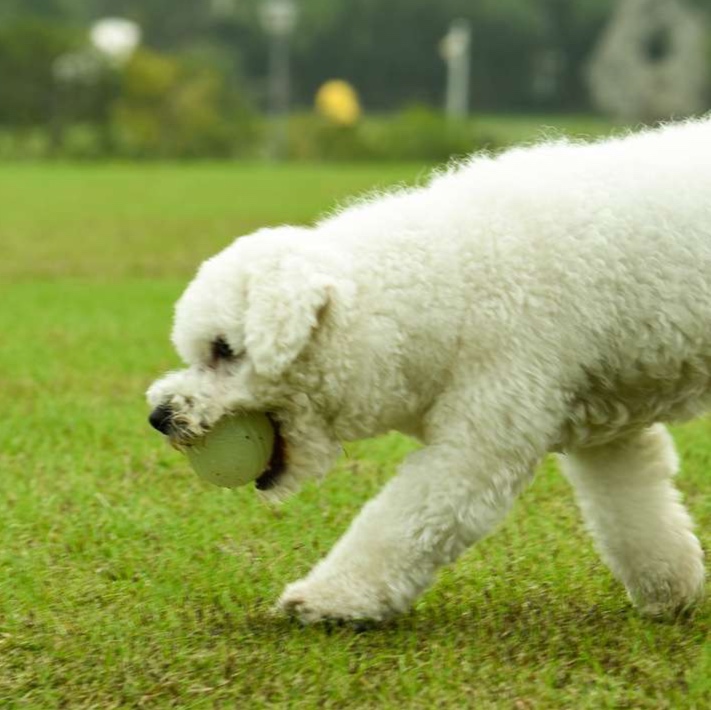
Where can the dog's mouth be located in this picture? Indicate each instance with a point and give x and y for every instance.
(277, 462)
(180, 437)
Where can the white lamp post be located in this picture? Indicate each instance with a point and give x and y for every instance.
(455, 49)
(115, 38)
(279, 20)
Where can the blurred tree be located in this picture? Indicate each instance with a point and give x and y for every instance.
(11, 10)
(170, 107)
(28, 49)
(389, 51)
(570, 32)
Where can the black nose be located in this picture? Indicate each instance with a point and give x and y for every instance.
(161, 418)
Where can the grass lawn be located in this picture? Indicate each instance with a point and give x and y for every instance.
(126, 582)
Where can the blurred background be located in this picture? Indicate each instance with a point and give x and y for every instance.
(348, 80)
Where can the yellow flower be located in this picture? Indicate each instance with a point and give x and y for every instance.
(337, 101)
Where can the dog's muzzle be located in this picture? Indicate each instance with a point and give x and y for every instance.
(161, 418)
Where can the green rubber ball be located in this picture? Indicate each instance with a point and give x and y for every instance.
(235, 451)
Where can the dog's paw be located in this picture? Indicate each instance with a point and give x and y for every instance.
(314, 601)
(673, 589)
(670, 600)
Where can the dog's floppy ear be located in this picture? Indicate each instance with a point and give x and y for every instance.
(284, 303)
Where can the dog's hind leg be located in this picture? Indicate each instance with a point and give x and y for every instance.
(641, 528)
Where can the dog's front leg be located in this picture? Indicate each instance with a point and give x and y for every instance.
(440, 502)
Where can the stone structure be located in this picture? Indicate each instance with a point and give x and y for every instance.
(651, 61)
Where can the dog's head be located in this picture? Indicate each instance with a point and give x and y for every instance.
(251, 329)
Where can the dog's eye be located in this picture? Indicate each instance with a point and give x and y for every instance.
(221, 350)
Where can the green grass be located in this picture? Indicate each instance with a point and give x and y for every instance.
(157, 220)
(126, 582)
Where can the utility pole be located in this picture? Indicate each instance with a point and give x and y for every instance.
(456, 52)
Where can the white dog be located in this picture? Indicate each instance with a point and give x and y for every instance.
(554, 298)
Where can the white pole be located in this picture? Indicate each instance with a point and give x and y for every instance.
(456, 50)
(279, 20)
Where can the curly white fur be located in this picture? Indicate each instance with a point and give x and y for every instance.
(554, 298)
